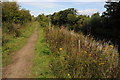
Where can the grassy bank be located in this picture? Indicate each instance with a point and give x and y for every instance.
(15, 43)
(41, 65)
(78, 56)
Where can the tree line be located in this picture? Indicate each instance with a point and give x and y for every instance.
(101, 27)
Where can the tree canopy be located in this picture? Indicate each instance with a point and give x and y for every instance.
(11, 13)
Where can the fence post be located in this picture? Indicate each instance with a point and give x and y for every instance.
(79, 45)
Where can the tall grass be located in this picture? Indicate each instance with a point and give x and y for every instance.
(79, 56)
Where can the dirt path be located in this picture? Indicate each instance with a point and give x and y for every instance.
(22, 60)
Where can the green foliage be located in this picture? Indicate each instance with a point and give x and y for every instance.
(9, 11)
(93, 24)
(25, 16)
(14, 23)
(12, 14)
(13, 18)
(11, 43)
(64, 17)
(71, 19)
(42, 58)
(80, 22)
(43, 20)
(105, 27)
(111, 19)
(46, 51)
(68, 18)
(78, 56)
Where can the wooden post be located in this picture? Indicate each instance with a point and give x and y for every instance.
(79, 45)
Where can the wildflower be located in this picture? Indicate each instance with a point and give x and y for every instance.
(60, 49)
(68, 74)
(90, 54)
(102, 63)
(111, 46)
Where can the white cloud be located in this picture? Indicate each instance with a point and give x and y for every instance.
(88, 11)
(62, 0)
(37, 8)
(35, 13)
(43, 5)
(59, 0)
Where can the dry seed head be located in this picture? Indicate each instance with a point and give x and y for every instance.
(90, 54)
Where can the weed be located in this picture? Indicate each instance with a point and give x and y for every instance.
(80, 56)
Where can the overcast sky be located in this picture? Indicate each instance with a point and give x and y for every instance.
(87, 7)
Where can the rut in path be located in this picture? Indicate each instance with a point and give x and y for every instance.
(22, 60)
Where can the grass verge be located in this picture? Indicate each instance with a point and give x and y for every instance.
(15, 43)
(41, 66)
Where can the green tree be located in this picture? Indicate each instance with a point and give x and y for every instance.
(112, 18)
(10, 11)
(24, 16)
(80, 22)
(61, 18)
(43, 20)
(12, 16)
(92, 25)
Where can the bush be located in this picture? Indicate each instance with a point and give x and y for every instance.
(12, 13)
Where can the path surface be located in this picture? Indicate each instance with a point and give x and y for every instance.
(22, 60)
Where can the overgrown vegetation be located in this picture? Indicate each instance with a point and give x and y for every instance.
(77, 56)
(16, 28)
(64, 52)
(15, 43)
(91, 55)
(104, 27)
(11, 13)
(43, 20)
